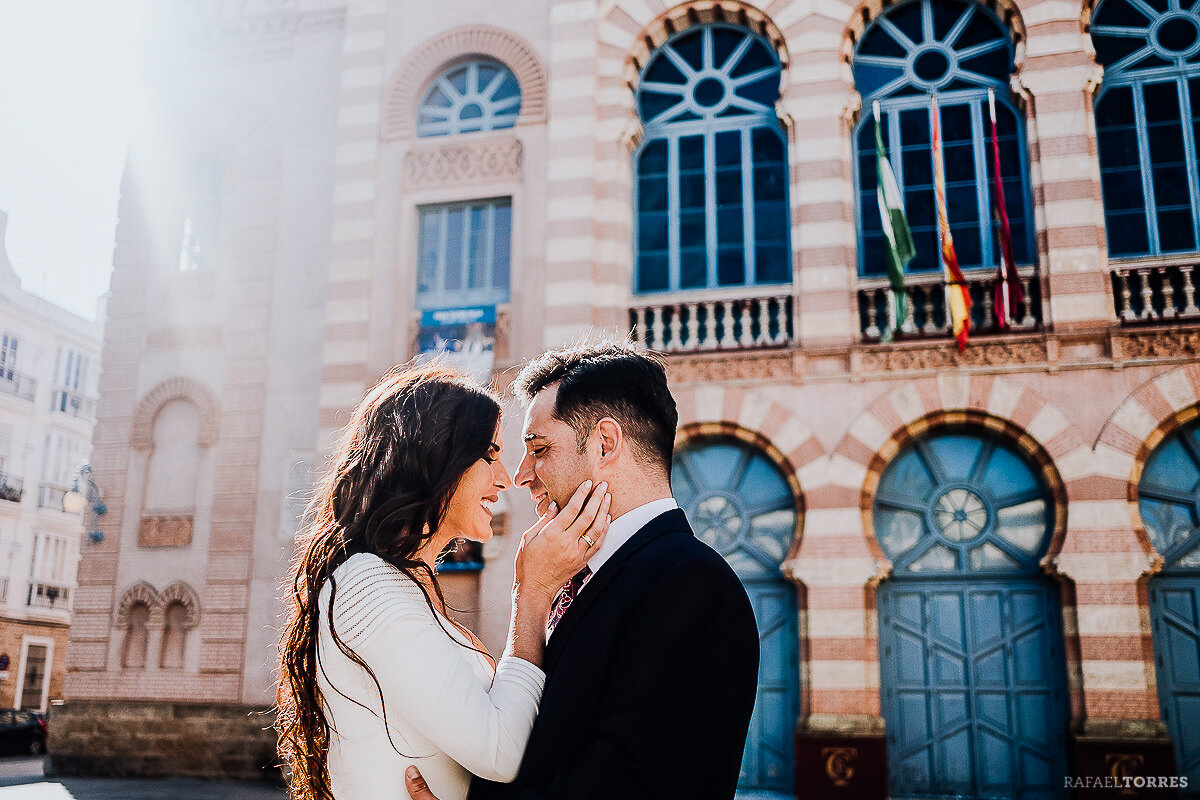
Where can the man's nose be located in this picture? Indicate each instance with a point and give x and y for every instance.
(524, 475)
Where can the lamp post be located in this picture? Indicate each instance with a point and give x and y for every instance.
(91, 498)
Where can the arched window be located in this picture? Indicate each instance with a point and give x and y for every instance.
(961, 502)
(480, 95)
(1147, 115)
(956, 50)
(174, 636)
(711, 194)
(1169, 501)
(137, 637)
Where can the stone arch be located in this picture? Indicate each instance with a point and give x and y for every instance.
(641, 37)
(409, 82)
(1151, 413)
(867, 10)
(177, 388)
(140, 593)
(183, 594)
(1030, 421)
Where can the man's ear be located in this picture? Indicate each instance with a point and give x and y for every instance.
(612, 440)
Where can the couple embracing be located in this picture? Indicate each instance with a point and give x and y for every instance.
(632, 657)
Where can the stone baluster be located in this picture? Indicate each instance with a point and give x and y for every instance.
(710, 326)
(747, 338)
(1168, 292)
(1148, 311)
(783, 321)
(727, 339)
(1126, 296)
(871, 331)
(1189, 292)
(1028, 319)
(988, 301)
(676, 326)
(639, 326)
(764, 321)
(693, 328)
(927, 306)
(909, 325)
(656, 327)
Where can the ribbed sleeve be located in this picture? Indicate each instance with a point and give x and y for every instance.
(370, 594)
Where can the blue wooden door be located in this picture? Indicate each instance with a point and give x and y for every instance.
(740, 505)
(1175, 615)
(974, 693)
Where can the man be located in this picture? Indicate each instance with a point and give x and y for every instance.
(651, 669)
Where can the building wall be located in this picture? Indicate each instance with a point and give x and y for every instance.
(318, 250)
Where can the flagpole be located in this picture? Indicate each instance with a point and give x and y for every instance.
(1003, 316)
(891, 305)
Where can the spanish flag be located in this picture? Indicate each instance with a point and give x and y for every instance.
(958, 299)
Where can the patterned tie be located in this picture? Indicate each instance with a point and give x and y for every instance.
(565, 596)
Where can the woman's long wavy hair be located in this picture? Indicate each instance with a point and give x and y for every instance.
(407, 446)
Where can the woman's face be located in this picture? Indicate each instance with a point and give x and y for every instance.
(469, 513)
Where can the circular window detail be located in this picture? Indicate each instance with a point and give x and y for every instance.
(477, 96)
(1169, 498)
(957, 502)
(738, 501)
(1131, 36)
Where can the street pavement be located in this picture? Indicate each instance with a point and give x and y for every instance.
(21, 778)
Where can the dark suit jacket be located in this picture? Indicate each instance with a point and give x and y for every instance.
(650, 680)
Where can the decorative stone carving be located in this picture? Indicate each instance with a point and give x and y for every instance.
(161, 531)
(139, 594)
(461, 163)
(735, 366)
(942, 355)
(184, 595)
(1160, 344)
(142, 433)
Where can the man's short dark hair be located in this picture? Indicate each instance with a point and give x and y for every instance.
(609, 379)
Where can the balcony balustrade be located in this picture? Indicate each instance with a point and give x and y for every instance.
(73, 404)
(11, 488)
(1155, 293)
(48, 595)
(17, 383)
(712, 322)
(930, 318)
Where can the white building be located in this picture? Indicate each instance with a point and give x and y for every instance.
(49, 364)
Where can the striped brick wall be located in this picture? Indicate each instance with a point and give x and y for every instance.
(345, 357)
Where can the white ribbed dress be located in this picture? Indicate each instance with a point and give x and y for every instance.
(448, 712)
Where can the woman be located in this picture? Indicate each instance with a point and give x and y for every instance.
(374, 676)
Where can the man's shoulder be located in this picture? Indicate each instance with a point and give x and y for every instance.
(677, 549)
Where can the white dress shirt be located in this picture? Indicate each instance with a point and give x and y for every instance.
(622, 529)
(447, 711)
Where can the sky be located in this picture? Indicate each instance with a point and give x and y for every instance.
(67, 93)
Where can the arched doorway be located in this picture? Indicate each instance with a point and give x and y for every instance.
(970, 634)
(1169, 502)
(740, 504)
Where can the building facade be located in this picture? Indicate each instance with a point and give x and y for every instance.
(49, 364)
(974, 572)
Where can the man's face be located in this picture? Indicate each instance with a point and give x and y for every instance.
(553, 467)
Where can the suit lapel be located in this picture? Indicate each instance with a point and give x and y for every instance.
(673, 520)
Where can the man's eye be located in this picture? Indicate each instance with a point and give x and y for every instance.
(538, 451)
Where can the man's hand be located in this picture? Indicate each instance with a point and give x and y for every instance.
(417, 788)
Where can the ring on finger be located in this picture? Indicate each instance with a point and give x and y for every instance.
(590, 541)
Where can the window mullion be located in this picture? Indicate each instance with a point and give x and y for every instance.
(439, 275)
(748, 210)
(982, 195)
(710, 206)
(488, 279)
(1139, 116)
(1189, 153)
(673, 273)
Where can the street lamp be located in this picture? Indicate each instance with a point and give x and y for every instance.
(91, 498)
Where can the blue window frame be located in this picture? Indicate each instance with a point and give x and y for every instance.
(1147, 124)
(961, 502)
(463, 253)
(479, 95)
(1169, 499)
(956, 50)
(711, 189)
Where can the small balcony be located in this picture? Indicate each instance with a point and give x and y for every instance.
(51, 496)
(1152, 293)
(48, 595)
(17, 384)
(73, 404)
(11, 489)
(711, 321)
(930, 318)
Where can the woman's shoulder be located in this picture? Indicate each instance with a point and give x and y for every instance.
(368, 592)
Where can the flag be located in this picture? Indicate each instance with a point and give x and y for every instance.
(1008, 285)
(958, 299)
(896, 231)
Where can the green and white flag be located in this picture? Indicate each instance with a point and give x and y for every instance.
(895, 228)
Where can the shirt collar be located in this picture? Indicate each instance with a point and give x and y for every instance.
(622, 529)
